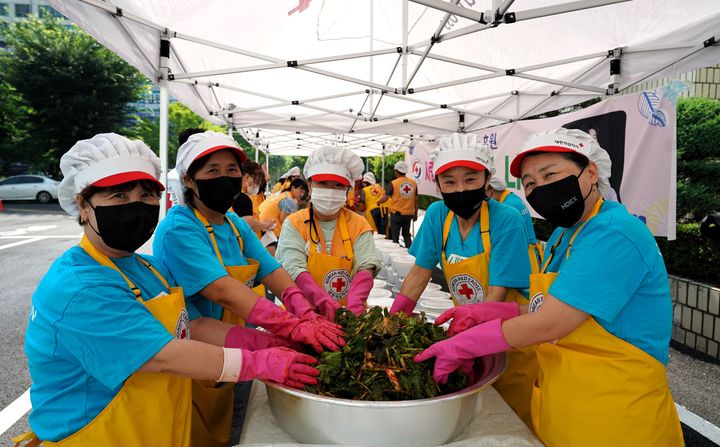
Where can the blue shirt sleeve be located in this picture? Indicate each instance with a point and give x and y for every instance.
(600, 285)
(187, 252)
(253, 248)
(509, 262)
(110, 333)
(288, 205)
(427, 246)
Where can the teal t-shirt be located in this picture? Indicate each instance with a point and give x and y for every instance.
(509, 264)
(616, 273)
(516, 202)
(86, 335)
(183, 244)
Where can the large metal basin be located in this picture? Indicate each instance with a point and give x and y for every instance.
(314, 419)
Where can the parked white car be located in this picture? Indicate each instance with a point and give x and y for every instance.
(29, 187)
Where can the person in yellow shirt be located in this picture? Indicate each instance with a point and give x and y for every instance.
(404, 205)
(370, 195)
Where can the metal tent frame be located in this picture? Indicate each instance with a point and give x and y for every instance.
(374, 118)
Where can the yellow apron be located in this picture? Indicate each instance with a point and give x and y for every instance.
(150, 408)
(373, 194)
(594, 389)
(212, 402)
(332, 272)
(468, 280)
(535, 252)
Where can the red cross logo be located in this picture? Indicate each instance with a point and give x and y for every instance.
(183, 334)
(581, 145)
(466, 291)
(406, 188)
(338, 285)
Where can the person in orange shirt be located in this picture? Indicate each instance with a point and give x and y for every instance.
(404, 205)
(281, 206)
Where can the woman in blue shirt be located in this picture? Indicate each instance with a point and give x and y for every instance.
(600, 309)
(481, 246)
(110, 348)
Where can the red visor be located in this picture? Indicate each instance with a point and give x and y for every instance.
(125, 177)
(330, 178)
(517, 161)
(465, 163)
(241, 155)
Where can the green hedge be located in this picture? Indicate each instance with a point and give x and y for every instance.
(690, 256)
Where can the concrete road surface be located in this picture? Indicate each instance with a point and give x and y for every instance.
(33, 235)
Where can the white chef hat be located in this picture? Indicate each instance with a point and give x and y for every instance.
(369, 177)
(462, 150)
(567, 140)
(498, 184)
(202, 144)
(401, 167)
(107, 159)
(334, 164)
(293, 172)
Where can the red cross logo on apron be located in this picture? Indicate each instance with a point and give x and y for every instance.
(466, 291)
(339, 284)
(407, 189)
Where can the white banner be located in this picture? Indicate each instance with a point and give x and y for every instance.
(637, 130)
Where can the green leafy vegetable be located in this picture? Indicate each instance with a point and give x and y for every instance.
(377, 362)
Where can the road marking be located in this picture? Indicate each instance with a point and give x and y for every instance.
(700, 425)
(51, 236)
(23, 231)
(13, 412)
(25, 241)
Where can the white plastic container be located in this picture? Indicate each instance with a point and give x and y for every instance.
(379, 293)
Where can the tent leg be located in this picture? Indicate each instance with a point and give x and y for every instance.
(163, 145)
(382, 172)
(164, 104)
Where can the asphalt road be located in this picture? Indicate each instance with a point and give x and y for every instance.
(44, 232)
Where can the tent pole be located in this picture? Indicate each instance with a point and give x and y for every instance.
(404, 40)
(372, 39)
(164, 72)
(382, 172)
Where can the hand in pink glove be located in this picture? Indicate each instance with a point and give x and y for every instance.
(279, 365)
(253, 339)
(402, 304)
(315, 333)
(453, 353)
(296, 303)
(468, 315)
(360, 287)
(322, 301)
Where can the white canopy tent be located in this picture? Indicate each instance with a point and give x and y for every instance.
(292, 75)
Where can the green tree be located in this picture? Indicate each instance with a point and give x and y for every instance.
(12, 124)
(698, 165)
(72, 86)
(179, 119)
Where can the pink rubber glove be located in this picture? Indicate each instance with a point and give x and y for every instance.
(279, 365)
(453, 353)
(468, 315)
(253, 339)
(315, 333)
(296, 304)
(323, 302)
(402, 304)
(360, 287)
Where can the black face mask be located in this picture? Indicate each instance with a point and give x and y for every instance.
(561, 202)
(464, 203)
(218, 194)
(126, 227)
